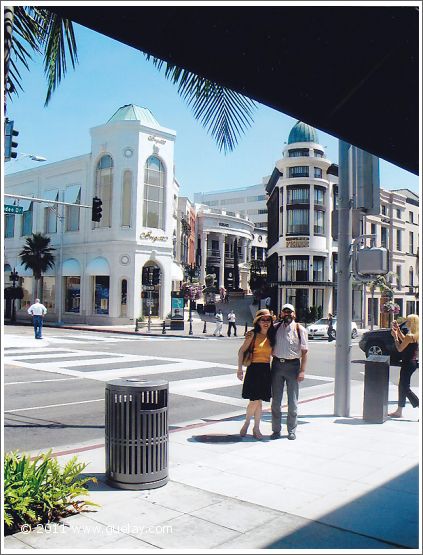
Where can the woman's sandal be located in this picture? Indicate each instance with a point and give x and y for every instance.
(244, 430)
(257, 434)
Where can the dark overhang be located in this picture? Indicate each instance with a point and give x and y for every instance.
(351, 71)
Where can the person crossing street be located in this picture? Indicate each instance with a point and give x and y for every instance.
(37, 311)
(231, 323)
(219, 324)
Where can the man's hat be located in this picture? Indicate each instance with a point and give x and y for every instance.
(289, 307)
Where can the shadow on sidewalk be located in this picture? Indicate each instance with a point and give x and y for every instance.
(388, 514)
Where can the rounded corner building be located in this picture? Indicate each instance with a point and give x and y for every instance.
(302, 256)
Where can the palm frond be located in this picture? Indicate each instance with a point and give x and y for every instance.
(225, 114)
(58, 41)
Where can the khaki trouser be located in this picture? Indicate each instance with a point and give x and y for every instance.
(285, 372)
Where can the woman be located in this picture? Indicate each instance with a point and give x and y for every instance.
(408, 345)
(257, 383)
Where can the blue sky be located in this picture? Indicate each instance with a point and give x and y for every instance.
(109, 75)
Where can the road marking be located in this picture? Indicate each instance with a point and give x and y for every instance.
(43, 381)
(53, 406)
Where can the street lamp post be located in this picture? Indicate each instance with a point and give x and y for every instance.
(14, 276)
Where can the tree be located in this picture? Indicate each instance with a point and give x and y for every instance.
(223, 112)
(37, 256)
(384, 287)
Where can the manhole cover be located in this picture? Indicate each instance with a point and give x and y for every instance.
(218, 438)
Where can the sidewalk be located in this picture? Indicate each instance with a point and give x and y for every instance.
(343, 484)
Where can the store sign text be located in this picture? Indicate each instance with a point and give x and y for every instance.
(296, 243)
(148, 235)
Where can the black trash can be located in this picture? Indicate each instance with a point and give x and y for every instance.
(136, 430)
(376, 389)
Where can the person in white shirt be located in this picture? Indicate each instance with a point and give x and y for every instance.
(231, 323)
(37, 311)
(288, 365)
(219, 324)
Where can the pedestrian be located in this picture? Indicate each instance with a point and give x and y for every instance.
(226, 297)
(257, 382)
(231, 323)
(408, 345)
(37, 311)
(219, 323)
(222, 292)
(330, 327)
(288, 365)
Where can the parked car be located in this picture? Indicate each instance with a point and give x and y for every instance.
(320, 329)
(380, 342)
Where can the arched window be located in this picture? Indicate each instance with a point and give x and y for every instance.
(126, 198)
(104, 188)
(154, 179)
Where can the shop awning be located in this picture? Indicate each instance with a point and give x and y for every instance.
(71, 268)
(72, 193)
(98, 267)
(177, 273)
(50, 195)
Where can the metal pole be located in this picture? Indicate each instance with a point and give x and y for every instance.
(190, 318)
(61, 219)
(343, 331)
(149, 311)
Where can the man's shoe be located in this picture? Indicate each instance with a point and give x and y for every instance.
(291, 435)
(275, 435)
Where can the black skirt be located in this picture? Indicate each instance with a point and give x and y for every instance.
(257, 382)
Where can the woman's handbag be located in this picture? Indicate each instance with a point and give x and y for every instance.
(248, 354)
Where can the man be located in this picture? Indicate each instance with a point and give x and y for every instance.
(219, 324)
(231, 323)
(288, 365)
(37, 311)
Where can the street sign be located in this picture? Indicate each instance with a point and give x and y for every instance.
(11, 209)
(149, 287)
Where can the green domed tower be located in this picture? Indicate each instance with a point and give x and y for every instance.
(302, 133)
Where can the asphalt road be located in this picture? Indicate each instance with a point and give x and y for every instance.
(54, 388)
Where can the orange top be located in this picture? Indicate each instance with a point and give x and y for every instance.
(262, 349)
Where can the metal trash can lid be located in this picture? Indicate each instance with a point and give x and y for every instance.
(135, 384)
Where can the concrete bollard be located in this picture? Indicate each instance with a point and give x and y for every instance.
(190, 328)
(136, 324)
(205, 327)
(164, 327)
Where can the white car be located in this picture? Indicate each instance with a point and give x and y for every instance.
(320, 329)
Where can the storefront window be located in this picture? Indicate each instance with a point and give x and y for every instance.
(27, 286)
(72, 294)
(101, 294)
(48, 293)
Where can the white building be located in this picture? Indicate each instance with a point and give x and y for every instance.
(302, 255)
(99, 266)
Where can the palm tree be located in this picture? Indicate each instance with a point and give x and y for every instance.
(37, 256)
(381, 283)
(223, 112)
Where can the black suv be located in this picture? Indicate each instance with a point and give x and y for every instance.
(381, 342)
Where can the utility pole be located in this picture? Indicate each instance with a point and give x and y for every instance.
(344, 316)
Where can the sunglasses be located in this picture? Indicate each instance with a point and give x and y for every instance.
(265, 319)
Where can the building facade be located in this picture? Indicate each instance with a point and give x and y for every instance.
(99, 267)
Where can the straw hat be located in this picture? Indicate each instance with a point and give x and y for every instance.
(260, 314)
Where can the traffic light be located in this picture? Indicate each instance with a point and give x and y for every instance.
(96, 209)
(9, 143)
(156, 276)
